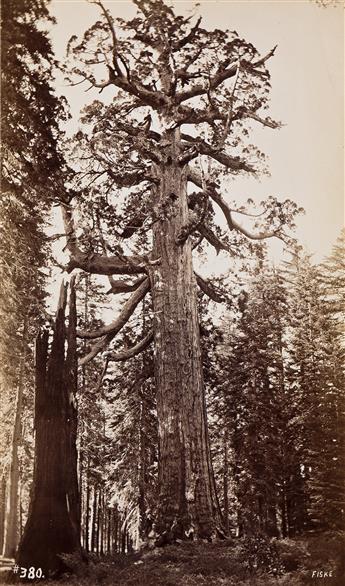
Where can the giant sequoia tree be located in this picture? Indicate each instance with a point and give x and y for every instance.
(152, 168)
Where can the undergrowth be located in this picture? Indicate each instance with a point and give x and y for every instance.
(241, 562)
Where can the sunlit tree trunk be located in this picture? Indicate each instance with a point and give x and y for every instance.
(12, 518)
(186, 497)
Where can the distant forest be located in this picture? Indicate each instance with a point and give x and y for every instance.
(198, 438)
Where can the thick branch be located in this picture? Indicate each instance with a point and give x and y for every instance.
(222, 75)
(119, 286)
(203, 88)
(244, 113)
(188, 38)
(149, 97)
(231, 221)
(133, 351)
(97, 263)
(123, 179)
(211, 114)
(207, 288)
(265, 58)
(135, 131)
(234, 163)
(213, 239)
(143, 138)
(98, 347)
(125, 313)
(234, 225)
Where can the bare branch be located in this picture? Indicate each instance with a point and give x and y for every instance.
(234, 225)
(98, 347)
(234, 163)
(265, 58)
(125, 313)
(264, 121)
(213, 239)
(222, 75)
(188, 38)
(133, 351)
(231, 221)
(208, 289)
(113, 35)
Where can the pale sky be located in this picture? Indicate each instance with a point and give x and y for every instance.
(305, 157)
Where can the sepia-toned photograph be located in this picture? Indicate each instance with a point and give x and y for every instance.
(172, 293)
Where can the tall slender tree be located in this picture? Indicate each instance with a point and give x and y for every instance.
(316, 372)
(29, 125)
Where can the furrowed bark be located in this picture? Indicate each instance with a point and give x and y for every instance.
(71, 386)
(51, 527)
(187, 503)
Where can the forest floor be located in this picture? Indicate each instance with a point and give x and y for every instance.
(312, 560)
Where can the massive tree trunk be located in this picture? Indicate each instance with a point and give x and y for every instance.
(52, 528)
(11, 518)
(187, 503)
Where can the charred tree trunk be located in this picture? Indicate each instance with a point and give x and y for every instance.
(12, 520)
(51, 529)
(187, 504)
(71, 414)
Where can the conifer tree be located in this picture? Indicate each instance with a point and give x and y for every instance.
(139, 159)
(254, 396)
(30, 114)
(317, 384)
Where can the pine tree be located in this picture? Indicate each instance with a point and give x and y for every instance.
(253, 402)
(30, 114)
(317, 380)
(333, 278)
